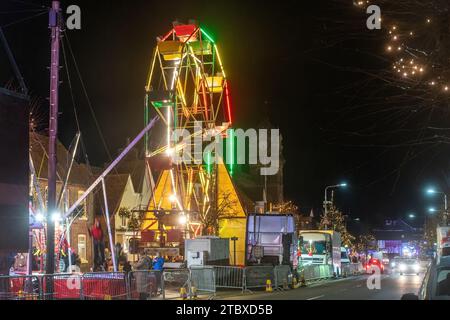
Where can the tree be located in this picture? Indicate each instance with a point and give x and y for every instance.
(226, 207)
(365, 243)
(335, 220)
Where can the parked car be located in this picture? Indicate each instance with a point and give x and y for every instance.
(436, 283)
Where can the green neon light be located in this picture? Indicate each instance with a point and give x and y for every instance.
(161, 104)
(208, 163)
(207, 35)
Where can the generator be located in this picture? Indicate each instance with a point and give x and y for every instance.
(207, 250)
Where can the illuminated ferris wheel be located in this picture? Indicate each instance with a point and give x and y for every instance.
(188, 88)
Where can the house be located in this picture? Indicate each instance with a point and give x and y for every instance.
(128, 189)
(79, 180)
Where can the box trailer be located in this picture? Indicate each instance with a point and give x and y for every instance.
(443, 242)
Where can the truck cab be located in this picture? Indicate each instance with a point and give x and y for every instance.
(320, 247)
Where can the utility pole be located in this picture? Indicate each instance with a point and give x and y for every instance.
(54, 24)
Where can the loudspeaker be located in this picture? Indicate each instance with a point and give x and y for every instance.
(287, 241)
(14, 171)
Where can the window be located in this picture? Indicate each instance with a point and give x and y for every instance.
(82, 247)
(83, 205)
(123, 221)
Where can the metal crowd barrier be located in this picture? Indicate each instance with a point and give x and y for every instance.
(173, 280)
(352, 269)
(104, 286)
(283, 276)
(203, 279)
(143, 284)
(314, 272)
(67, 286)
(20, 288)
(257, 276)
(230, 277)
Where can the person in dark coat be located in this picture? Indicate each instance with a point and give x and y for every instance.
(142, 275)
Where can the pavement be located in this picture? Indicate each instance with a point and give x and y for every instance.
(392, 287)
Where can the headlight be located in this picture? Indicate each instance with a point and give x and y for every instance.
(402, 267)
(393, 264)
(416, 267)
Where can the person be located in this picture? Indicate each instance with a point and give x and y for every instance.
(126, 266)
(118, 253)
(96, 233)
(142, 275)
(158, 265)
(64, 255)
(158, 262)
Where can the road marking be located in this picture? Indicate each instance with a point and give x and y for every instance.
(359, 286)
(314, 298)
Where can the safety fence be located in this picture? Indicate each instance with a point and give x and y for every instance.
(175, 282)
(153, 284)
(314, 272)
(203, 280)
(352, 269)
(135, 285)
(283, 277)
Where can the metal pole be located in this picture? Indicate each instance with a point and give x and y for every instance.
(69, 248)
(111, 166)
(111, 244)
(54, 23)
(13, 63)
(325, 207)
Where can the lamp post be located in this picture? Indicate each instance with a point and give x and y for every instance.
(433, 191)
(325, 201)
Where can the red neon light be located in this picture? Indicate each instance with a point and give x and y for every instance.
(227, 96)
(167, 35)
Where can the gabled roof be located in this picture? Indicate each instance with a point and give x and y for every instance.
(80, 174)
(136, 169)
(115, 188)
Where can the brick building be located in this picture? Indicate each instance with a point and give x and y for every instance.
(79, 180)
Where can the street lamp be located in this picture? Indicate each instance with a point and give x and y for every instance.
(411, 215)
(432, 191)
(432, 210)
(325, 201)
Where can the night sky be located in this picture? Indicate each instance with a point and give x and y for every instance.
(281, 64)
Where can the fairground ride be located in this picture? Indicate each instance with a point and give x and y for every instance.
(188, 88)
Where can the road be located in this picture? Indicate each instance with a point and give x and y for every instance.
(392, 287)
